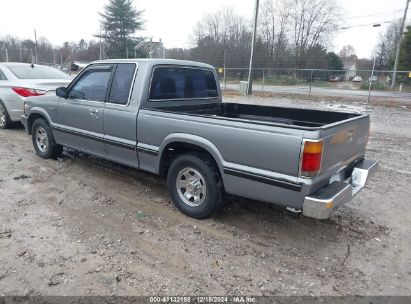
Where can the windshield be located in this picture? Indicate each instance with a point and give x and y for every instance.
(37, 72)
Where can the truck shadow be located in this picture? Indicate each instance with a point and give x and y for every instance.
(276, 223)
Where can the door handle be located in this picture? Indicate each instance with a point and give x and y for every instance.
(94, 112)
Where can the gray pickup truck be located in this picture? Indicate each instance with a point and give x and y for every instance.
(167, 117)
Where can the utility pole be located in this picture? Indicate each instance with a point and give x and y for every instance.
(371, 80)
(7, 55)
(163, 50)
(100, 54)
(397, 53)
(127, 52)
(37, 54)
(225, 78)
(249, 84)
(21, 57)
(150, 54)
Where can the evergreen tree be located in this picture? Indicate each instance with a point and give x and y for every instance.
(119, 21)
(334, 61)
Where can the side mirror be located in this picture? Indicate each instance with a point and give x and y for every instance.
(62, 92)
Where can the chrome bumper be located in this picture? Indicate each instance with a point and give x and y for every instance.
(328, 199)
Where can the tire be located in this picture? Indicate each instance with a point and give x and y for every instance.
(43, 140)
(198, 172)
(5, 121)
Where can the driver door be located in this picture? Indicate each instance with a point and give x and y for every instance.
(80, 117)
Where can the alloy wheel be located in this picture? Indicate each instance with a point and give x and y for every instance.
(191, 187)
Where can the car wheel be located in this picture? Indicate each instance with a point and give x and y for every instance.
(5, 120)
(43, 140)
(195, 185)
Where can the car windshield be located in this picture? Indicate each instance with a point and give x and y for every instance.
(37, 72)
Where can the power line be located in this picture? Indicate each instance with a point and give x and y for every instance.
(374, 24)
(377, 14)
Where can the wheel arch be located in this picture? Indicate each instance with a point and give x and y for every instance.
(35, 114)
(178, 144)
(4, 104)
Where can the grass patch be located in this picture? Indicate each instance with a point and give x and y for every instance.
(141, 215)
(282, 80)
(378, 86)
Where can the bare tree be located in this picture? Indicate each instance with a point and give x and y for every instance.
(219, 32)
(273, 30)
(312, 22)
(289, 31)
(346, 52)
(387, 43)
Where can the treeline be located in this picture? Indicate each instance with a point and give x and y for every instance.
(14, 49)
(119, 21)
(291, 33)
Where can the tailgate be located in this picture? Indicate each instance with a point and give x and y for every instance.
(345, 142)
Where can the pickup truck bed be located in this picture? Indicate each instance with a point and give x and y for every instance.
(268, 115)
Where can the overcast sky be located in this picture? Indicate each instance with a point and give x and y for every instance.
(174, 20)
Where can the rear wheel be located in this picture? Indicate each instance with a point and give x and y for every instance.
(5, 120)
(195, 185)
(43, 140)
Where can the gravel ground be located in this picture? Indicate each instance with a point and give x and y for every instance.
(84, 226)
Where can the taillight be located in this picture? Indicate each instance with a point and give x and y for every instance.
(26, 92)
(311, 158)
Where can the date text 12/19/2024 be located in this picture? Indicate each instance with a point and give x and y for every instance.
(203, 299)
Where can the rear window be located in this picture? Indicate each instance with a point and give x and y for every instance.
(37, 72)
(182, 83)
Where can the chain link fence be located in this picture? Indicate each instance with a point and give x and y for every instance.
(359, 83)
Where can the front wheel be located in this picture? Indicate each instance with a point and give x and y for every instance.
(43, 140)
(195, 185)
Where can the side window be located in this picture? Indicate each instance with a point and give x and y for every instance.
(91, 86)
(182, 83)
(2, 76)
(122, 82)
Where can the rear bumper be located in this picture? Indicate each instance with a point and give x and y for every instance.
(331, 197)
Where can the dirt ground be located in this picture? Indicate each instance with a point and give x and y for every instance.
(84, 226)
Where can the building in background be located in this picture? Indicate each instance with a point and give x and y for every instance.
(350, 65)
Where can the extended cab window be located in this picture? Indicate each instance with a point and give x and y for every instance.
(91, 86)
(122, 82)
(182, 83)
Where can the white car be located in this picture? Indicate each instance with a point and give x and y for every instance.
(373, 78)
(21, 80)
(357, 79)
